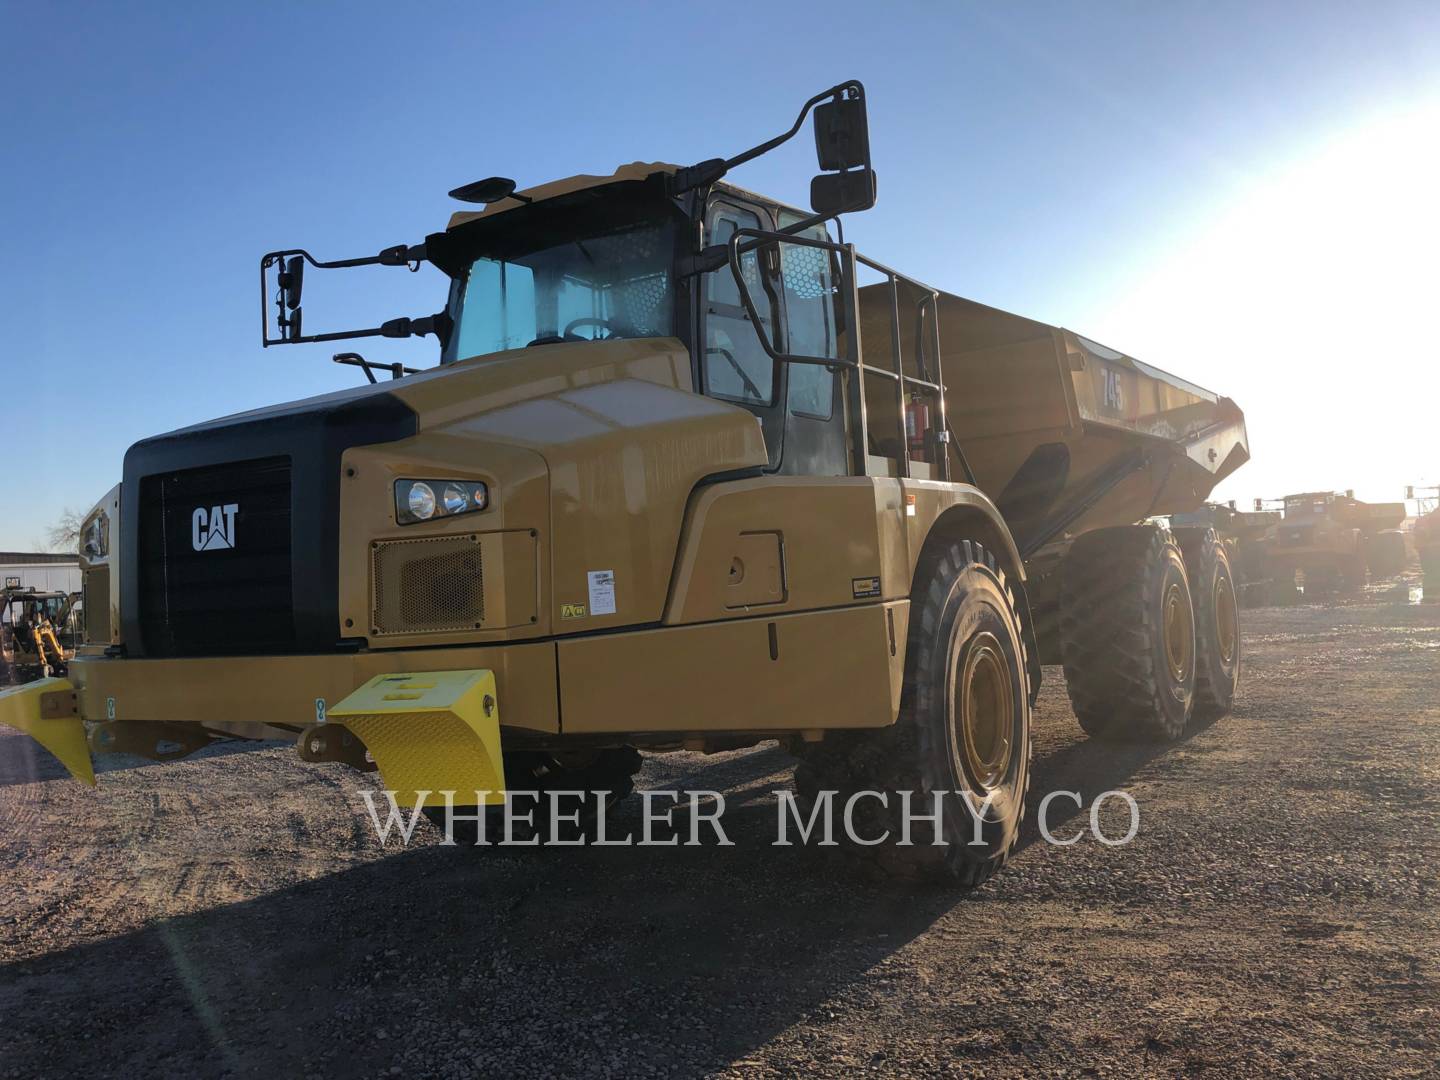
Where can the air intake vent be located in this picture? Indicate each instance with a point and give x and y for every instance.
(428, 585)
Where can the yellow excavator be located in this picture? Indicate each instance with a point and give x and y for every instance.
(28, 639)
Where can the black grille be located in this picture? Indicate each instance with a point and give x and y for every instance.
(234, 595)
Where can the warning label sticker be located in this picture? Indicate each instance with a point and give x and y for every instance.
(602, 592)
(865, 586)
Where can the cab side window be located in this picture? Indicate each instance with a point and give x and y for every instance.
(736, 366)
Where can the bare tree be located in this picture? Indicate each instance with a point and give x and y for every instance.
(64, 535)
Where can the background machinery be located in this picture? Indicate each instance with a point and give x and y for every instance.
(1426, 534)
(37, 635)
(1334, 540)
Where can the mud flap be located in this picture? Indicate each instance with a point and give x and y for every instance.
(46, 711)
(430, 731)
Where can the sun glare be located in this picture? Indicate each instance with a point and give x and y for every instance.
(1311, 301)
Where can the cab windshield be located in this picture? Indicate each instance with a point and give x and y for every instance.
(594, 271)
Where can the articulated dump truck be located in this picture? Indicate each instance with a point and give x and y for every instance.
(691, 473)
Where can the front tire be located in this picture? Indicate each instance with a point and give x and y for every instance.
(1127, 634)
(963, 732)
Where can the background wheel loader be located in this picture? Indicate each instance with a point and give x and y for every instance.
(691, 472)
(1335, 542)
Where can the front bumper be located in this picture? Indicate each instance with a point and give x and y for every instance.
(231, 692)
(430, 718)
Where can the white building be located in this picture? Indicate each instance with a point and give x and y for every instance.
(41, 571)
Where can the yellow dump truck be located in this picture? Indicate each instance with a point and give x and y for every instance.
(690, 472)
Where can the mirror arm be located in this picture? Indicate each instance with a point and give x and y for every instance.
(707, 172)
(439, 324)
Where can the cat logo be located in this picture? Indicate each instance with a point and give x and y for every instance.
(213, 529)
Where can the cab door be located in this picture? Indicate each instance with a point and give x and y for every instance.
(734, 366)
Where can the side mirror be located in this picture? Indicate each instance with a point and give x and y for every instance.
(842, 150)
(1409, 491)
(838, 193)
(490, 190)
(842, 134)
(292, 281)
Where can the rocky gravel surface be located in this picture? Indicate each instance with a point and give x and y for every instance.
(1276, 914)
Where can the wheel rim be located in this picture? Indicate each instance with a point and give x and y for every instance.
(987, 709)
(1179, 632)
(1227, 625)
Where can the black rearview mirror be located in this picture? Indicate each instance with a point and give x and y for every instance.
(838, 193)
(292, 281)
(490, 190)
(842, 135)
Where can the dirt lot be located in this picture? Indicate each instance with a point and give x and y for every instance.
(1276, 915)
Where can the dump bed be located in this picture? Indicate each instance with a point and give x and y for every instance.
(1065, 434)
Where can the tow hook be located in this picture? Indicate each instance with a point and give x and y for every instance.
(333, 742)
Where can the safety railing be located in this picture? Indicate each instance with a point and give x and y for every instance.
(926, 338)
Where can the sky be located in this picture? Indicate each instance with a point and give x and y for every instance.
(1244, 193)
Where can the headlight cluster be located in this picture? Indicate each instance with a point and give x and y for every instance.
(95, 537)
(425, 500)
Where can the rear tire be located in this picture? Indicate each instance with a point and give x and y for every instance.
(1217, 621)
(963, 730)
(1127, 629)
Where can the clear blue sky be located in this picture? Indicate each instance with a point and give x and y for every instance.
(1050, 158)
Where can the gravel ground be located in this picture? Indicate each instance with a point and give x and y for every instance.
(1275, 915)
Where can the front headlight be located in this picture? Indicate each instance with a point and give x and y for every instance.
(415, 500)
(95, 536)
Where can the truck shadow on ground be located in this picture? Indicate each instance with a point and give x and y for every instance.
(556, 961)
(22, 761)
